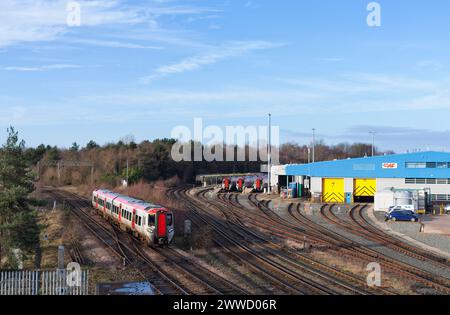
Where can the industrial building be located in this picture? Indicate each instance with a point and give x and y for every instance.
(360, 179)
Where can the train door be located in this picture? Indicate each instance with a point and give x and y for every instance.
(120, 213)
(227, 184)
(96, 202)
(133, 217)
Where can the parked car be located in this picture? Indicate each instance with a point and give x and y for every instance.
(401, 207)
(447, 209)
(402, 215)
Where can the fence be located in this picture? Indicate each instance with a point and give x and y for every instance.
(42, 282)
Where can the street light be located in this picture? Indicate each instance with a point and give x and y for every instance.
(373, 142)
(314, 146)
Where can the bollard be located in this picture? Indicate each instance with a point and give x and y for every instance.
(61, 257)
(187, 228)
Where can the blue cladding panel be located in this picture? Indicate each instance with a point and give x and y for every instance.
(372, 167)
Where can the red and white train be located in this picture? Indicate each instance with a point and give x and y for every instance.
(151, 223)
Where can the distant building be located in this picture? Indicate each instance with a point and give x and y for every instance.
(358, 180)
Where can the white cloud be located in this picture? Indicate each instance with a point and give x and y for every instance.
(42, 20)
(226, 51)
(331, 59)
(429, 65)
(114, 44)
(360, 83)
(42, 68)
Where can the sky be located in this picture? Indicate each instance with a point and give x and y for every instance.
(141, 68)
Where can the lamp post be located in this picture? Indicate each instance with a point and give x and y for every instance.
(373, 142)
(314, 146)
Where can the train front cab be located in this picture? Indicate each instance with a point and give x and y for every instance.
(226, 184)
(162, 223)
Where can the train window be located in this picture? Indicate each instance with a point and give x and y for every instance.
(169, 219)
(151, 219)
(95, 199)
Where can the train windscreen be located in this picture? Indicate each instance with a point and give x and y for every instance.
(169, 219)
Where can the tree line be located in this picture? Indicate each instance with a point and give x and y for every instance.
(151, 161)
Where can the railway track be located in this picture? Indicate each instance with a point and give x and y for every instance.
(232, 247)
(316, 277)
(129, 251)
(357, 250)
(338, 274)
(363, 225)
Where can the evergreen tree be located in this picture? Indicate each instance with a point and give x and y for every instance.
(18, 224)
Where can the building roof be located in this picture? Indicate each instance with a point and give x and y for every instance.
(386, 166)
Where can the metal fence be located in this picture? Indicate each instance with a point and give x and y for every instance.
(43, 282)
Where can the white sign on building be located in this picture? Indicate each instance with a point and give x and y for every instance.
(390, 165)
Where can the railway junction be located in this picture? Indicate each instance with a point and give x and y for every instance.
(255, 243)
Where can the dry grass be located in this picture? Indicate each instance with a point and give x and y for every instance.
(357, 268)
(54, 224)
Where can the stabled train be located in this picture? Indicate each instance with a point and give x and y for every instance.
(239, 183)
(151, 223)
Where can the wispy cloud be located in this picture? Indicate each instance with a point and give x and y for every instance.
(42, 68)
(42, 20)
(331, 59)
(114, 44)
(217, 54)
(429, 65)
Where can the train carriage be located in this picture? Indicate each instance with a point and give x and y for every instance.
(151, 223)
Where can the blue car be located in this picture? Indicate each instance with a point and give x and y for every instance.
(402, 215)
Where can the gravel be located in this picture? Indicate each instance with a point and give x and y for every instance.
(426, 266)
(412, 230)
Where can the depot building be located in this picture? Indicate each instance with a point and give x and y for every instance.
(359, 179)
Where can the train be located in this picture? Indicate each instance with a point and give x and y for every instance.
(152, 224)
(239, 183)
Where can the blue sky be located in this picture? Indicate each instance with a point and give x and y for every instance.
(144, 67)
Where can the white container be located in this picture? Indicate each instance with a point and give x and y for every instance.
(383, 200)
(403, 197)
